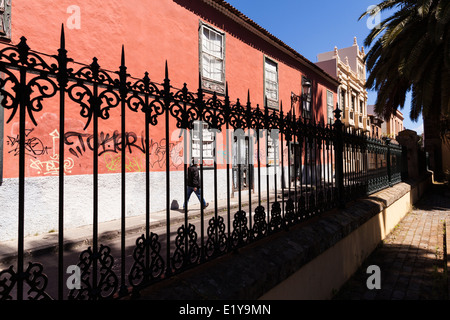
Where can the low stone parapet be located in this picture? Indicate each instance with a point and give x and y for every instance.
(309, 261)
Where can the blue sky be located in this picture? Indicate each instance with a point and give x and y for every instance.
(315, 26)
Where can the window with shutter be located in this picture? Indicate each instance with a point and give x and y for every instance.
(202, 135)
(330, 98)
(271, 82)
(212, 58)
(5, 20)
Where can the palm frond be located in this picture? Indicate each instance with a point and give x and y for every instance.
(410, 51)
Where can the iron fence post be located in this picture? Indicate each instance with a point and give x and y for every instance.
(388, 161)
(123, 91)
(167, 101)
(338, 156)
(62, 81)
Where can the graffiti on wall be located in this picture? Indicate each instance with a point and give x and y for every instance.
(44, 159)
(34, 147)
(51, 166)
(106, 142)
(110, 147)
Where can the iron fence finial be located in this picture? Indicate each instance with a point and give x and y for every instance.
(166, 73)
(23, 50)
(122, 60)
(63, 38)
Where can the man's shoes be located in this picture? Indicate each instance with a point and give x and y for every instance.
(207, 204)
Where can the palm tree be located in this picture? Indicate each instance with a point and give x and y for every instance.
(410, 51)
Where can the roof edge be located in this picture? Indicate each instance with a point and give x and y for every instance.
(245, 21)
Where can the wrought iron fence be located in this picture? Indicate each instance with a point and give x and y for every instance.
(320, 166)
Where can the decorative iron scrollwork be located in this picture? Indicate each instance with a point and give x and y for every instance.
(45, 87)
(240, 233)
(146, 96)
(238, 120)
(33, 276)
(22, 56)
(272, 120)
(37, 281)
(91, 102)
(276, 221)
(31, 94)
(148, 263)
(9, 101)
(8, 279)
(290, 215)
(257, 119)
(217, 240)
(260, 225)
(154, 109)
(184, 109)
(213, 113)
(107, 281)
(185, 253)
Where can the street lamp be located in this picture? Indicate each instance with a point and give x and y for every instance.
(306, 84)
(306, 97)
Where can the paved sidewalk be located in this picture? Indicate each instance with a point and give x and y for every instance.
(36, 245)
(412, 258)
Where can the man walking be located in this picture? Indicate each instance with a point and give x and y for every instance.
(193, 184)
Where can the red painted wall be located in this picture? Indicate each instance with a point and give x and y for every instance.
(152, 32)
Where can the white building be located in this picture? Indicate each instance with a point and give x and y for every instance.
(348, 66)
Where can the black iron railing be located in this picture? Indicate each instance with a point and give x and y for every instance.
(320, 167)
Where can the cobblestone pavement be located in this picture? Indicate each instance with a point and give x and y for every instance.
(412, 258)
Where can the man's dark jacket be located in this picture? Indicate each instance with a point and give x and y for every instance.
(193, 177)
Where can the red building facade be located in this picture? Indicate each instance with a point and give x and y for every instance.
(204, 41)
(206, 38)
